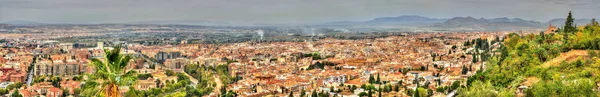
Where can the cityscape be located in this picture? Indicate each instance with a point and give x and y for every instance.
(239, 52)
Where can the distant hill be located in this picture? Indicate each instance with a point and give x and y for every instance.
(456, 23)
(405, 20)
(22, 23)
(470, 23)
(561, 21)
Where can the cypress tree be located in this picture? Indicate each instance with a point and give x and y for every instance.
(314, 93)
(416, 93)
(569, 27)
(378, 80)
(380, 91)
(371, 79)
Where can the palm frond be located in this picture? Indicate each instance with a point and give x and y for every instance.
(111, 72)
(98, 64)
(128, 78)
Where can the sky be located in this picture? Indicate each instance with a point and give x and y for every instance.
(284, 11)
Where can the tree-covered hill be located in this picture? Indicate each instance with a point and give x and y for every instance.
(561, 64)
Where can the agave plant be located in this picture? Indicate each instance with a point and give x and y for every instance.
(110, 73)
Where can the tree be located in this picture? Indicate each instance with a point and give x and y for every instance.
(388, 88)
(380, 92)
(3, 91)
(370, 93)
(416, 93)
(569, 26)
(314, 93)
(378, 81)
(465, 70)
(16, 94)
(169, 73)
(55, 81)
(14, 86)
(478, 89)
(503, 53)
(331, 89)
(454, 85)
(563, 88)
(397, 87)
(65, 92)
(291, 94)
(362, 94)
(112, 72)
(303, 93)
(474, 58)
(371, 79)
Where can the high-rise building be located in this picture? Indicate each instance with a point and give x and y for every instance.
(162, 56)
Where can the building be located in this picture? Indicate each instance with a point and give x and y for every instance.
(70, 68)
(176, 64)
(65, 46)
(147, 84)
(551, 29)
(161, 57)
(18, 77)
(70, 85)
(54, 92)
(100, 45)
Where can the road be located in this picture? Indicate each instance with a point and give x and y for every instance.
(451, 94)
(29, 77)
(30, 74)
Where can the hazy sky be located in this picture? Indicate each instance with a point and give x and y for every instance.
(284, 11)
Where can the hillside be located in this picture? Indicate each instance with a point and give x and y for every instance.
(542, 65)
(570, 56)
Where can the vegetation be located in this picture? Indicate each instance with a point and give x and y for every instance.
(3, 91)
(314, 56)
(109, 75)
(320, 65)
(16, 94)
(205, 79)
(16, 85)
(535, 60)
(205, 76)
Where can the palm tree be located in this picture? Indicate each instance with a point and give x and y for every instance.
(110, 73)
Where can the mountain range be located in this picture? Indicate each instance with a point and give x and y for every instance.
(22, 23)
(409, 20)
(456, 23)
(561, 21)
(488, 24)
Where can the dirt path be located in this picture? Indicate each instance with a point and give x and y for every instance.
(568, 56)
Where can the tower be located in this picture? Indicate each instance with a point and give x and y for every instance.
(100, 45)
